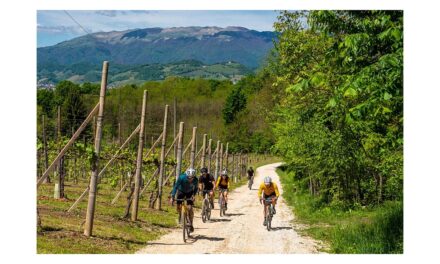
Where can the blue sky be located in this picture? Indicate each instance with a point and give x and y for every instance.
(54, 26)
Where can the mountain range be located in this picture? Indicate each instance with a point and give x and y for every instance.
(155, 53)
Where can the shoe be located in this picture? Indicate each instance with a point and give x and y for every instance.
(191, 229)
(264, 223)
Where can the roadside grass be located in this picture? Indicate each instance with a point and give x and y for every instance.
(364, 230)
(62, 232)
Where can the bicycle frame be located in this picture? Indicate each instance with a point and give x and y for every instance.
(185, 217)
(221, 200)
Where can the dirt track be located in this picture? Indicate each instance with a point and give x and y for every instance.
(241, 230)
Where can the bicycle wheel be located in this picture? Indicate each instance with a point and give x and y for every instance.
(221, 204)
(187, 228)
(184, 226)
(204, 210)
(268, 219)
(208, 214)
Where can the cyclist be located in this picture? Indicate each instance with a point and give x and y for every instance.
(250, 173)
(269, 190)
(223, 184)
(207, 183)
(186, 187)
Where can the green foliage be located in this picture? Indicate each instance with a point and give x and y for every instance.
(355, 229)
(339, 125)
(235, 102)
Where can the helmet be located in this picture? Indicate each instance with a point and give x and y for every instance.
(267, 180)
(204, 170)
(190, 172)
(224, 172)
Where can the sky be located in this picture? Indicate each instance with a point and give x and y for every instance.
(54, 26)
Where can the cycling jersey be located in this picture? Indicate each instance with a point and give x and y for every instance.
(207, 181)
(184, 186)
(272, 188)
(222, 183)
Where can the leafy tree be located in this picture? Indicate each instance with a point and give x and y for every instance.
(340, 123)
(235, 102)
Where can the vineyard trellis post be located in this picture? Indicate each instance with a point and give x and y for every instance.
(205, 136)
(193, 148)
(221, 157)
(174, 125)
(217, 150)
(119, 134)
(93, 180)
(209, 155)
(227, 156)
(162, 156)
(179, 150)
(137, 176)
(233, 168)
(46, 158)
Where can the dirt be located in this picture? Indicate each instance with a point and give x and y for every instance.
(241, 230)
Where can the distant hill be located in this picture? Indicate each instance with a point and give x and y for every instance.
(154, 53)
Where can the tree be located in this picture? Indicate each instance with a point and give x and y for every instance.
(235, 102)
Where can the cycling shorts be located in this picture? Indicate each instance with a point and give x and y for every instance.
(181, 195)
(269, 196)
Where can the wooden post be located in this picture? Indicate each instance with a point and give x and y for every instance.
(179, 151)
(137, 176)
(234, 173)
(46, 159)
(205, 136)
(193, 148)
(94, 128)
(227, 156)
(221, 157)
(174, 125)
(93, 180)
(162, 156)
(217, 150)
(209, 155)
(119, 134)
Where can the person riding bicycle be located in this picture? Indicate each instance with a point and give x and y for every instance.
(269, 190)
(207, 183)
(223, 184)
(186, 188)
(250, 173)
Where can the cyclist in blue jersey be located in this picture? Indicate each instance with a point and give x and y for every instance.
(186, 187)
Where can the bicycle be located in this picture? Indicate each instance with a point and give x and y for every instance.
(250, 182)
(184, 216)
(269, 213)
(206, 206)
(222, 201)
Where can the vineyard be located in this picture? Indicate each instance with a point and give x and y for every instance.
(116, 177)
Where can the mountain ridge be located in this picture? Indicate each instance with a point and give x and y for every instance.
(150, 46)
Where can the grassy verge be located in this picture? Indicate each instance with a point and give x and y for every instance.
(62, 232)
(363, 230)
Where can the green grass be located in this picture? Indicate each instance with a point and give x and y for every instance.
(364, 230)
(62, 232)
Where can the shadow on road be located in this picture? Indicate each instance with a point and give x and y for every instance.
(220, 220)
(202, 237)
(281, 228)
(234, 214)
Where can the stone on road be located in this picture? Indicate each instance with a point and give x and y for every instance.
(241, 230)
